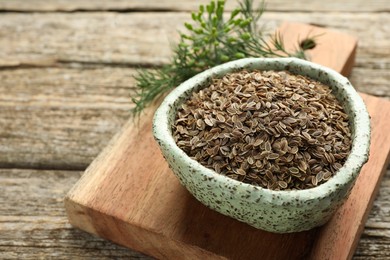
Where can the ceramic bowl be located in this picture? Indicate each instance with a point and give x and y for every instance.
(274, 211)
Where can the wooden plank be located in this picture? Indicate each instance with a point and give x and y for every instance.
(33, 223)
(24, 238)
(72, 113)
(60, 118)
(32, 199)
(101, 199)
(187, 5)
(338, 55)
(374, 243)
(134, 223)
(33, 193)
(139, 203)
(371, 81)
(130, 38)
(341, 231)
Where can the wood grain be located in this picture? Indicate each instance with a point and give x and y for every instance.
(338, 55)
(187, 5)
(113, 195)
(144, 207)
(70, 114)
(73, 112)
(340, 232)
(88, 37)
(54, 44)
(129, 195)
(33, 222)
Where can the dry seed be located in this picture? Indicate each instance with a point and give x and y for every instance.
(273, 156)
(302, 165)
(258, 142)
(289, 158)
(282, 184)
(208, 121)
(269, 175)
(320, 176)
(250, 160)
(264, 114)
(289, 121)
(294, 150)
(327, 175)
(328, 158)
(258, 164)
(253, 176)
(314, 180)
(293, 170)
(271, 129)
(231, 110)
(307, 156)
(276, 146)
(306, 135)
(317, 133)
(337, 166)
(267, 146)
(295, 97)
(217, 168)
(200, 123)
(221, 118)
(239, 125)
(236, 133)
(241, 172)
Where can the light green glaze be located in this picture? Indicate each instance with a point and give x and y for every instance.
(275, 211)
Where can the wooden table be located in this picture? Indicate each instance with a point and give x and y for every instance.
(65, 84)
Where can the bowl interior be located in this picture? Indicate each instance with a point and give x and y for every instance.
(341, 88)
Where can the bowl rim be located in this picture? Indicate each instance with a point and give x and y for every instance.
(344, 176)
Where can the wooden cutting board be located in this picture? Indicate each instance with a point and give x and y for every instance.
(130, 196)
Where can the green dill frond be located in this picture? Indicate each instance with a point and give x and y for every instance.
(209, 41)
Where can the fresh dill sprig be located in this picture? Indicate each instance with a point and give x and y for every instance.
(210, 41)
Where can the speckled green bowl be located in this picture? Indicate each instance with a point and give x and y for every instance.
(275, 211)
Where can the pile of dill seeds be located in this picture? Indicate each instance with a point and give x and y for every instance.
(270, 129)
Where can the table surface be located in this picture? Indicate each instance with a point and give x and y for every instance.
(65, 85)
